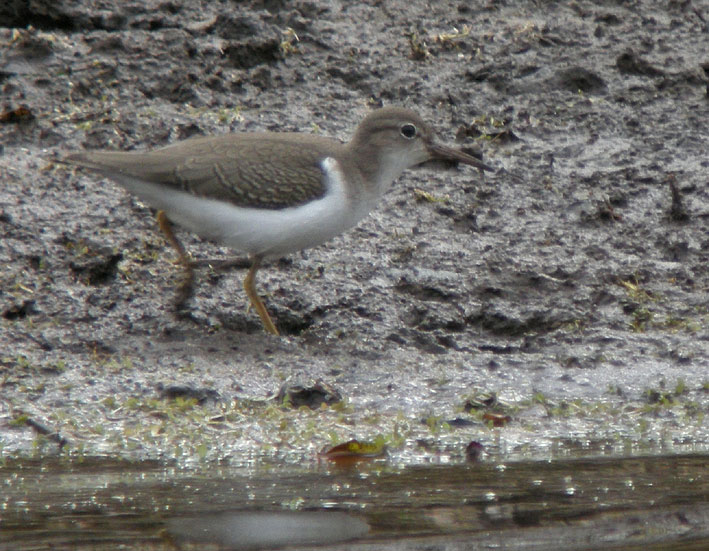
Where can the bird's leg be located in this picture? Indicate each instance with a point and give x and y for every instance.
(186, 287)
(256, 301)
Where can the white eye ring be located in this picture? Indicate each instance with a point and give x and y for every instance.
(409, 131)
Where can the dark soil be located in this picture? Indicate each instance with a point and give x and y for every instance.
(569, 290)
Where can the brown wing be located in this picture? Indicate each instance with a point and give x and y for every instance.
(268, 171)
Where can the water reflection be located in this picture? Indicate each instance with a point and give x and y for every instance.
(653, 502)
(242, 530)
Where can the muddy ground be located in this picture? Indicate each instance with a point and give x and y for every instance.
(568, 291)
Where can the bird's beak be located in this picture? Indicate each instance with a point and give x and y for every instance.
(442, 153)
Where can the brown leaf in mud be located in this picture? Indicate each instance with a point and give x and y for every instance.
(496, 419)
(474, 451)
(354, 450)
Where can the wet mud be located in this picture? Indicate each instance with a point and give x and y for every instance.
(568, 292)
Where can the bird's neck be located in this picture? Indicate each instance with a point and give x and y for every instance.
(378, 167)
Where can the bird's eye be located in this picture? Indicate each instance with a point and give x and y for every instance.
(408, 130)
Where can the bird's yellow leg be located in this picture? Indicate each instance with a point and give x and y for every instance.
(186, 288)
(256, 301)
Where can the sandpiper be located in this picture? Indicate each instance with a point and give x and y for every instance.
(268, 194)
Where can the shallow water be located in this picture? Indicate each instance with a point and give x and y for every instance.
(656, 502)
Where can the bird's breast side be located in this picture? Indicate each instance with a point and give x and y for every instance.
(279, 232)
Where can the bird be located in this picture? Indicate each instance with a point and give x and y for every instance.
(269, 194)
